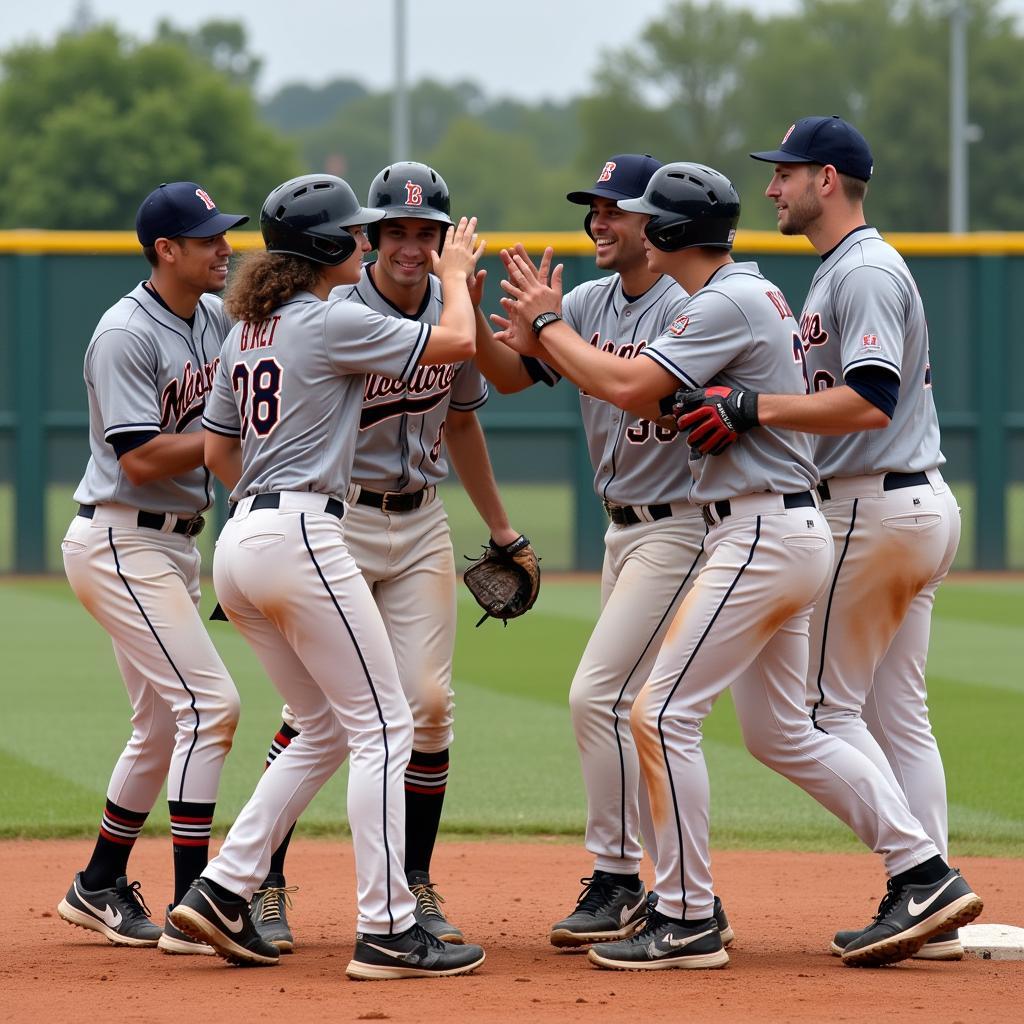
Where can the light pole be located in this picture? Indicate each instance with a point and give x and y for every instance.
(958, 139)
(400, 96)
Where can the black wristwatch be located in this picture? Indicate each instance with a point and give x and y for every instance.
(543, 320)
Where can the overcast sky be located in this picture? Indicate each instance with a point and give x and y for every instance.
(524, 48)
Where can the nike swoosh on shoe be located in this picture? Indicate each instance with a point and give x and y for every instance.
(393, 953)
(917, 909)
(233, 926)
(676, 943)
(627, 912)
(108, 915)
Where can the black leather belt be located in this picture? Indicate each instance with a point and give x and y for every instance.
(156, 520)
(802, 499)
(332, 506)
(626, 515)
(890, 482)
(392, 501)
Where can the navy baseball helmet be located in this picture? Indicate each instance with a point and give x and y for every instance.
(409, 189)
(309, 217)
(624, 176)
(689, 205)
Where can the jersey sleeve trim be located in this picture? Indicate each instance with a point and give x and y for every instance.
(219, 428)
(470, 406)
(885, 364)
(662, 360)
(417, 353)
(539, 371)
(122, 428)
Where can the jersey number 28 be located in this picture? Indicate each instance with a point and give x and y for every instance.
(259, 395)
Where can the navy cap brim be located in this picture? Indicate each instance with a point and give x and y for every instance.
(640, 205)
(780, 156)
(216, 225)
(583, 197)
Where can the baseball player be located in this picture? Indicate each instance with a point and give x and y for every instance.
(896, 525)
(744, 622)
(653, 546)
(281, 428)
(396, 527)
(130, 556)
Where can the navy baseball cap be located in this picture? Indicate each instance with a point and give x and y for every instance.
(181, 209)
(824, 140)
(623, 177)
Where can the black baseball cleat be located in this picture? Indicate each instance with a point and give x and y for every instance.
(225, 925)
(414, 953)
(909, 916)
(428, 912)
(605, 910)
(269, 912)
(119, 914)
(944, 946)
(663, 944)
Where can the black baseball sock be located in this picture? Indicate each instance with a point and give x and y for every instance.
(281, 740)
(425, 781)
(931, 871)
(118, 831)
(190, 834)
(631, 882)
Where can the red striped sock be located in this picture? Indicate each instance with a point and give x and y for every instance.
(118, 831)
(426, 779)
(191, 824)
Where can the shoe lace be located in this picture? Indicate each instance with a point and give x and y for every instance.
(271, 899)
(420, 934)
(428, 898)
(134, 904)
(889, 900)
(597, 893)
(652, 923)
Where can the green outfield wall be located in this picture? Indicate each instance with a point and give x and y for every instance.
(55, 285)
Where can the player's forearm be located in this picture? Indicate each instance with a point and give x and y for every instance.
(453, 340)
(223, 456)
(499, 364)
(164, 456)
(634, 385)
(467, 449)
(835, 411)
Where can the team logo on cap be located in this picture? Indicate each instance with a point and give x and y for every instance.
(606, 172)
(413, 194)
(205, 196)
(870, 341)
(679, 325)
(787, 135)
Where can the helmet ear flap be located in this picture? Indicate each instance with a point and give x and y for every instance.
(373, 234)
(586, 223)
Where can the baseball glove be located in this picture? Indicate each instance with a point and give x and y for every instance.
(713, 418)
(505, 579)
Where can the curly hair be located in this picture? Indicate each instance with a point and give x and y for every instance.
(263, 280)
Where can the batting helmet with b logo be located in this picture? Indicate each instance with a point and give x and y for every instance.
(409, 189)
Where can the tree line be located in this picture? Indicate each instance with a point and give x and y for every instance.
(90, 122)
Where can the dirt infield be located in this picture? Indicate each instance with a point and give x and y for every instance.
(783, 907)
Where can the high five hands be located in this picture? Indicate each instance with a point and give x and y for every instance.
(529, 291)
(461, 252)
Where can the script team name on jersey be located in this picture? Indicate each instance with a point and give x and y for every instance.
(184, 397)
(385, 397)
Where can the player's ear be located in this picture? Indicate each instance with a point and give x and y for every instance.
(165, 249)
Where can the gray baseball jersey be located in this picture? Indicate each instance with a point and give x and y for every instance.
(146, 369)
(864, 309)
(635, 461)
(738, 332)
(401, 427)
(292, 387)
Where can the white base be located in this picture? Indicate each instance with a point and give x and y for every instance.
(993, 941)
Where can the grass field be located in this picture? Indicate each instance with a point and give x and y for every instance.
(514, 764)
